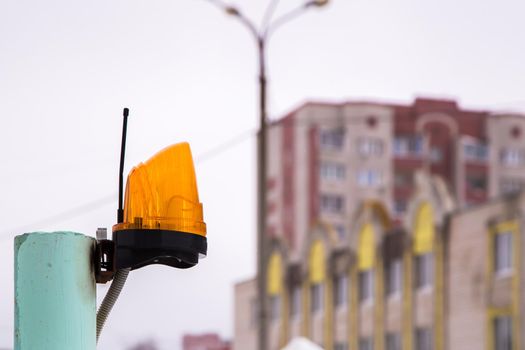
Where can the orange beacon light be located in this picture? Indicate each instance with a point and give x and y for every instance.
(162, 220)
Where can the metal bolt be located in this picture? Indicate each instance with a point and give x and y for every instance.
(102, 233)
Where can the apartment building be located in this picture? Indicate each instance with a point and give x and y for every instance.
(447, 278)
(325, 159)
(393, 227)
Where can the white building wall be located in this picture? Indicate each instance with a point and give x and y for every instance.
(245, 326)
(500, 135)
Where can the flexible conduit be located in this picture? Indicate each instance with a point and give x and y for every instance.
(111, 297)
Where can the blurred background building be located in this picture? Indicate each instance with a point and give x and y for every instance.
(392, 227)
(145, 345)
(210, 341)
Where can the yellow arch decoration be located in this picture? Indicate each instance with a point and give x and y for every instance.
(275, 275)
(366, 248)
(316, 262)
(379, 209)
(424, 229)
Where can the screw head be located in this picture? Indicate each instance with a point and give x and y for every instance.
(102, 233)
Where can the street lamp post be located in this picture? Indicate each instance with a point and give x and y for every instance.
(261, 35)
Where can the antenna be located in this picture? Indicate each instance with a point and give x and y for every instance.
(120, 211)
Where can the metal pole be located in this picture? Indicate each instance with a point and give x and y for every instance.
(261, 35)
(261, 200)
(55, 294)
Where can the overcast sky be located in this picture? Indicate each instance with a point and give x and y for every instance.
(188, 73)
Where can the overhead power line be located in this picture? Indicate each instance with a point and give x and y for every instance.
(112, 198)
(223, 147)
(203, 157)
(65, 215)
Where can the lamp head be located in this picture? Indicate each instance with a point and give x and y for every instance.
(231, 10)
(317, 3)
(163, 219)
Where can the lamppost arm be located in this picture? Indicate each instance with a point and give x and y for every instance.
(267, 27)
(268, 14)
(285, 18)
(235, 12)
(244, 20)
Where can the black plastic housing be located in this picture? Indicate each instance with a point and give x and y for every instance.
(135, 248)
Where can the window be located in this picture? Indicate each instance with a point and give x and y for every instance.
(394, 277)
(340, 290)
(400, 206)
(369, 178)
(503, 252)
(476, 152)
(436, 154)
(331, 203)
(510, 185)
(332, 171)
(366, 343)
(502, 333)
(341, 232)
(316, 291)
(424, 270)
(512, 156)
(423, 339)
(366, 285)
(369, 147)
(332, 139)
(275, 307)
(295, 307)
(477, 182)
(341, 346)
(393, 341)
(408, 146)
(400, 146)
(403, 179)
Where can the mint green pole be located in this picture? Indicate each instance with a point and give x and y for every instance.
(55, 295)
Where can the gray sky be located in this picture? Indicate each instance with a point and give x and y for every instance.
(187, 72)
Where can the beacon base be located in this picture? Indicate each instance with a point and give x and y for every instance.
(135, 248)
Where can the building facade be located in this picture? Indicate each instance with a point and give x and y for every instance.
(325, 159)
(393, 227)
